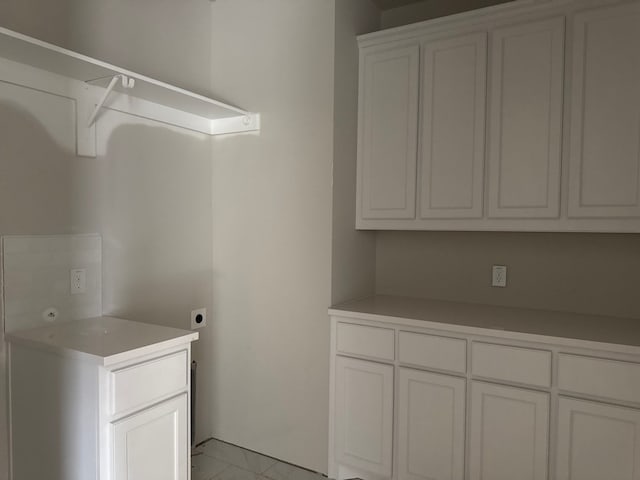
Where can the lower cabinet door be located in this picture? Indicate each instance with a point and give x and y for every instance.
(431, 412)
(364, 415)
(509, 433)
(152, 444)
(597, 441)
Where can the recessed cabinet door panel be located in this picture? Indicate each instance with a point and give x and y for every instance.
(388, 127)
(597, 441)
(152, 444)
(509, 434)
(453, 127)
(364, 415)
(605, 114)
(526, 120)
(431, 426)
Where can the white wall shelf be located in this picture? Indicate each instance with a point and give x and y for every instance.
(185, 108)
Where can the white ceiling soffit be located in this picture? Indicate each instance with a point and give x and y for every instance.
(387, 4)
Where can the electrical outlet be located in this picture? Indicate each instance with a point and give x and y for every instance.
(198, 318)
(78, 281)
(50, 314)
(499, 276)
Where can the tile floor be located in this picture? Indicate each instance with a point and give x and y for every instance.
(222, 461)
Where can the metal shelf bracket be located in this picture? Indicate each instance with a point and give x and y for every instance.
(127, 83)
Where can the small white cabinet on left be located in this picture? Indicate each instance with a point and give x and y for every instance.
(152, 443)
(91, 410)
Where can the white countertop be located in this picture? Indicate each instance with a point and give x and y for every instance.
(560, 327)
(104, 340)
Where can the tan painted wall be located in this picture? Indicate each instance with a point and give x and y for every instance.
(268, 342)
(585, 273)
(427, 9)
(353, 252)
(165, 39)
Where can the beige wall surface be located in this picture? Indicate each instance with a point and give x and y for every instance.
(155, 210)
(149, 191)
(37, 188)
(164, 39)
(268, 342)
(353, 251)
(584, 273)
(427, 9)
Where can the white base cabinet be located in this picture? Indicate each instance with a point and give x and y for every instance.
(364, 414)
(431, 422)
(509, 433)
(597, 441)
(85, 407)
(414, 399)
(152, 443)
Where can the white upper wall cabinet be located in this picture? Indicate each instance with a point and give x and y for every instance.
(605, 114)
(388, 128)
(523, 116)
(526, 120)
(453, 120)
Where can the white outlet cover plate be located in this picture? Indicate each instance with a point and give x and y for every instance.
(194, 318)
(499, 276)
(78, 281)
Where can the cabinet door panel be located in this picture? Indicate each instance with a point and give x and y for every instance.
(388, 133)
(605, 114)
(431, 426)
(597, 441)
(453, 127)
(509, 433)
(153, 443)
(364, 414)
(526, 120)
